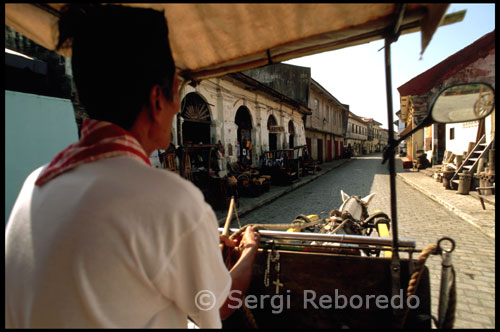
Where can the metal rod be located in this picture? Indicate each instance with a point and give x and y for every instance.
(341, 238)
(392, 166)
(444, 293)
(395, 263)
(397, 26)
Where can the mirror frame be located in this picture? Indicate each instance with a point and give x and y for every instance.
(428, 120)
(433, 103)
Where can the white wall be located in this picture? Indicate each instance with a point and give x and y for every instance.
(36, 129)
(464, 133)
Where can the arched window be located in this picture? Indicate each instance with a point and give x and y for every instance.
(196, 115)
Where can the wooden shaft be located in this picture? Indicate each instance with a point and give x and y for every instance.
(228, 220)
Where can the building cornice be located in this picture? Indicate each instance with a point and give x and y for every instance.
(271, 92)
(321, 131)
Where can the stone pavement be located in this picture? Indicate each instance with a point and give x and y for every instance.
(474, 257)
(466, 207)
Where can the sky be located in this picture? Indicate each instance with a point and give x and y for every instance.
(356, 75)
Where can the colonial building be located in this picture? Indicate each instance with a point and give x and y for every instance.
(384, 138)
(243, 115)
(357, 134)
(327, 126)
(474, 63)
(373, 139)
(413, 110)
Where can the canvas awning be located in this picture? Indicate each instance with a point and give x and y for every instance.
(210, 40)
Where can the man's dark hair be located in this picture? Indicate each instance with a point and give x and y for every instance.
(118, 54)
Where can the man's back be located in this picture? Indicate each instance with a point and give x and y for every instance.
(98, 247)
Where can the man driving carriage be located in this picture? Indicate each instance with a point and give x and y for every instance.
(98, 238)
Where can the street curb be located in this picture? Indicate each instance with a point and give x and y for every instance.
(462, 215)
(290, 188)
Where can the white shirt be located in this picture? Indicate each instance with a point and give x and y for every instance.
(112, 243)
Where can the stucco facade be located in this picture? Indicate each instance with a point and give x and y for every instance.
(327, 125)
(357, 134)
(373, 139)
(222, 103)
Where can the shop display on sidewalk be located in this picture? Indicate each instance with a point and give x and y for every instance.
(250, 182)
(286, 166)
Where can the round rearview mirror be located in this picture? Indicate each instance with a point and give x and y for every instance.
(463, 103)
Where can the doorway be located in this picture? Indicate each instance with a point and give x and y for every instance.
(320, 150)
(441, 142)
(291, 132)
(273, 137)
(329, 150)
(244, 147)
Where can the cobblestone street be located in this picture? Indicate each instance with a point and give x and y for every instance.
(420, 218)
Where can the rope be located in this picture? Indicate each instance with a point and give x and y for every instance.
(417, 275)
(449, 319)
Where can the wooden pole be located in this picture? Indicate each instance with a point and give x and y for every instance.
(229, 216)
(228, 220)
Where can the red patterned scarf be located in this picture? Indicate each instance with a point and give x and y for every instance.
(99, 140)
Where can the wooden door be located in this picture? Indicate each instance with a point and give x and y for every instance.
(320, 150)
(329, 150)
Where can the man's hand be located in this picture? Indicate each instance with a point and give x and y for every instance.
(249, 241)
(226, 241)
(241, 272)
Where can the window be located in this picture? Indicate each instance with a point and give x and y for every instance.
(452, 133)
(327, 112)
(316, 107)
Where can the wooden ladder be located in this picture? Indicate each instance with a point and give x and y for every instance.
(472, 160)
